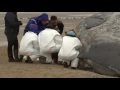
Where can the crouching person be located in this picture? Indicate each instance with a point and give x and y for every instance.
(50, 41)
(70, 50)
(29, 45)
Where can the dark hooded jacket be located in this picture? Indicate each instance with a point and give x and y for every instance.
(37, 21)
(34, 28)
(11, 23)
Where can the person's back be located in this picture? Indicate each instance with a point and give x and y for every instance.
(40, 21)
(47, 40)
(11, 23)
(69, 46)
(26, 46)
(31, 21)
(70, 50)
(29, 43)
(50, 41)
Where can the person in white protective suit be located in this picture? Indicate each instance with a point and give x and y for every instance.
(70, 50)
(50, 41)
(29, 45)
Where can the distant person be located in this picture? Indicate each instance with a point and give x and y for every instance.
(29, 45)
(70, 50)
(59, 26)
(41, 21)
(11, 31)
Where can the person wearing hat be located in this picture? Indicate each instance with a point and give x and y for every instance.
(29, 45)
(70, 50)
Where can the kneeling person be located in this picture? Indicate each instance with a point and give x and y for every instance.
(70, 50)
(50, 41)
(29, 45)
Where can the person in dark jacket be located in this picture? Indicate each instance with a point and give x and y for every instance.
(11, 31)
(41, 21)
(59, 26)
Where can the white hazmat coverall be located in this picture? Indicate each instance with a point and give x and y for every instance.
(29, 46)
(70, 50)
(50, 41)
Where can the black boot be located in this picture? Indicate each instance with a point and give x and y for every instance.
(18, 60)
(10, 56)
(29, 60)
(73, 68)
(16, 55)
(11, 60)
(55, 57)
(55, 61)
(60, 62)
(65, 65)
(26, 61)
(42, 59)
(21, 57)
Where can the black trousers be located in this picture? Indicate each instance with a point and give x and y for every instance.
(12, 46)
(55, 57)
